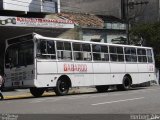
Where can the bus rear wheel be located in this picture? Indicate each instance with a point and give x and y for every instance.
(37, 92)
(102, 88)
(62, 87)
(126, 85)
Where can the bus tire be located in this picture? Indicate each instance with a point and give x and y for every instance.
(37, 92)
(126, 85)
(102, 88)
(62, 87)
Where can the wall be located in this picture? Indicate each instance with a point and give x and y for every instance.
(149, 12)
(94, 34)
(98, 7)
(29, 5)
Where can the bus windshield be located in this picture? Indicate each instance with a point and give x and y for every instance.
(20, 54)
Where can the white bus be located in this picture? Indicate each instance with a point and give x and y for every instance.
(40, 63)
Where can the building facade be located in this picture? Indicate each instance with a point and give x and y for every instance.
(40, 6)
(97, 7)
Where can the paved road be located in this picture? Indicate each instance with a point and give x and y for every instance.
(136, 101)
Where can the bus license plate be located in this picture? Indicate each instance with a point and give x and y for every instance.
(17, 83)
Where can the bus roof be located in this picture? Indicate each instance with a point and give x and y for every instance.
(71, 40)
(38, 36)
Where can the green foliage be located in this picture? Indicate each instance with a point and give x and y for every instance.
(119, 40)
(150, 33)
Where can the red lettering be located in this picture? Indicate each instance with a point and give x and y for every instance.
(72, 67)
(85, 67)
(79, 67)
(20, 19)
(75, 67)
(65, 67)
(69, 69)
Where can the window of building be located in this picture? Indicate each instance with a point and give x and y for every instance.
(48, 0)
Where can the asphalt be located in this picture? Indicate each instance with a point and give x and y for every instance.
(139, 100)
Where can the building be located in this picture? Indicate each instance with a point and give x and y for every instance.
(115, 29)
(27, 6)
(88, 27)
(149, 12)
(97, 7)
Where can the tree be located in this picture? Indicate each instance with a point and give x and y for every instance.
(148, 35)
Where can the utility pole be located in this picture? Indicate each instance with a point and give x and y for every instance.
(129, 5)
(128, 22)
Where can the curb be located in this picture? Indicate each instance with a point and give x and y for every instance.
(45, 94)
(28, 95)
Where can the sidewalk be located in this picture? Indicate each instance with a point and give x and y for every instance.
(18, 93)
(25, 93)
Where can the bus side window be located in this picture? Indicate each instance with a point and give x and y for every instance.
(77, 51)
(104, 53)
(67, 51)
(130, 54)
(86, 52)
(141, 55)
(149, 56)
(116, 54)
(120, 54)
(50, 47)
(64, 50)
(113, 53)
(43, 49)
(46, 49)
(96, 52)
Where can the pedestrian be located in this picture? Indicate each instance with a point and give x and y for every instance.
(1, 85)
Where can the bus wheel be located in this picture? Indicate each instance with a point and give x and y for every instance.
(102, 88)
(62, 87)
(37, 92)
(126, 85)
